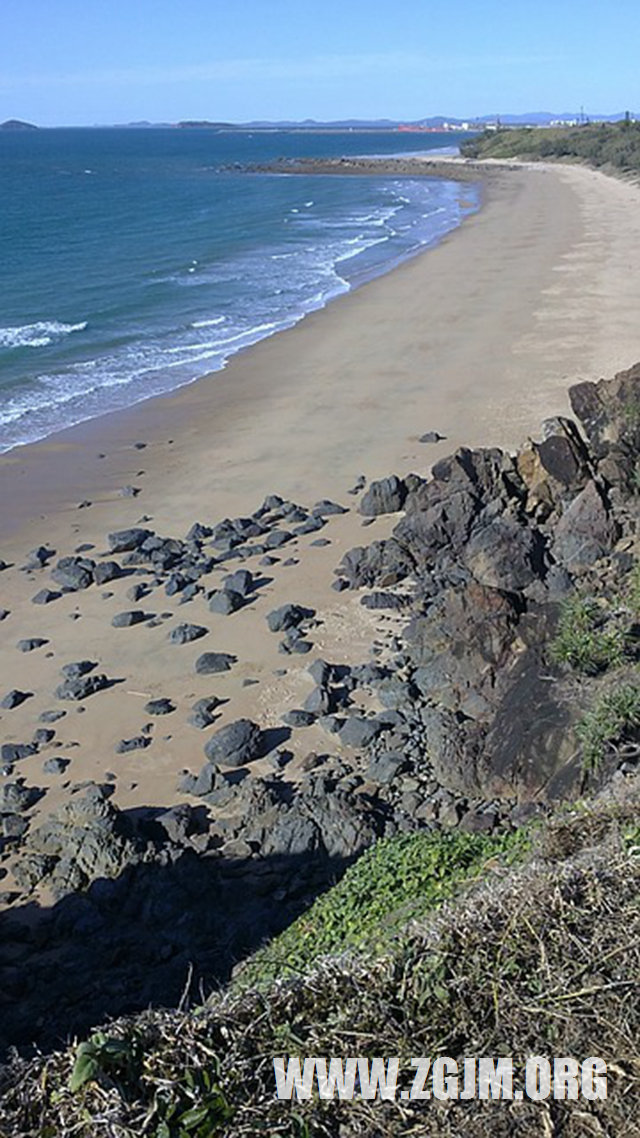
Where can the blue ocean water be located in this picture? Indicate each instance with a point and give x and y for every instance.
(134, 261)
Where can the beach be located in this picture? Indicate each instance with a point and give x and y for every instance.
(477, 339)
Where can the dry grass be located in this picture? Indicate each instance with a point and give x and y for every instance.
(543, 960)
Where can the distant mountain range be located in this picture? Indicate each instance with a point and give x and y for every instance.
(532, 118)
(435, 122)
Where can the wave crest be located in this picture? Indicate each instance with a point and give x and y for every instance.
(37, 335)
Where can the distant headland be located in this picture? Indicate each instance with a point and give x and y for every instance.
(16, 124)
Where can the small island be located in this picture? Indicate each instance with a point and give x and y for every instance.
(16, 124)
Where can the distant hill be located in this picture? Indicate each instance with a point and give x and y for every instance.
(613, 145)
(16, 124)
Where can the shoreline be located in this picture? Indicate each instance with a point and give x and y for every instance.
(75, 440)
(126, 673)
(56, 473)
(478, 340)
(352, 279)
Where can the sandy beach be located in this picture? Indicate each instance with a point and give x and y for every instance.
(477, 339)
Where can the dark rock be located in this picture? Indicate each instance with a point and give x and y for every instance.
(479, 821)
(138, 743)
(226, 601)
(176, 583)
(586, 531)
(277, 538)
(84, 841)
(186, 633)
(51, 716)
(13, 752)
(137, 592)
(159, 707)
(202, 712)
(43, 735)
(381, 600)
(382, 563)
(386, 767)
(505, 554)
(461, 645)
(431, 437)
(211, 662)
(288, 616)
(106, 571)
(320, 671)
(14, 698)
(271, 502)
(299, 647)
(77, 668)
(241, 582)
(235, 744)
(340, 585)
(72, 575)
(554, 469)
(359, 732)
(15, 797)
(311, 525)
(37, 558)
(384, 497)
(45, 596)
(56, 765)
(325, 508)
(13, 827)
(330, 723)
(122, 541)
(206, 781)
(179, 823)
(82, 687)
(394, 692)
(199, 532)
(298, 718)
(319, 702)
(368, 674)
(128, 619)
(4, 613)
(31, 644)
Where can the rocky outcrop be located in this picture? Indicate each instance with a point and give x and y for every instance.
(491, 544)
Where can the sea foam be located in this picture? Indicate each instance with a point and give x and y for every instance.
(37, 335)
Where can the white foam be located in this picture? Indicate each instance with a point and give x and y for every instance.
(208, 323)
(37, 335)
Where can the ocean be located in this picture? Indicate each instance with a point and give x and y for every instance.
(134, 261)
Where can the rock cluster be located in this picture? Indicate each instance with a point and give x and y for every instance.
(491, 543)
(474, 726)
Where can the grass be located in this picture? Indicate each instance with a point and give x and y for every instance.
(614, 717)
(543, 959)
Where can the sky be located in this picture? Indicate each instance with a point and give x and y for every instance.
(80, 62)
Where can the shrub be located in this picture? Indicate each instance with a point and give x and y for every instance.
(614, 716)
(588, 639)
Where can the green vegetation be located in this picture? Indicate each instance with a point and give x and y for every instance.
(396, 881)
(614, 716)
(612, 145)
(543, 959)
(591, 637)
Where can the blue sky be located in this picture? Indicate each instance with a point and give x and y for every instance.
(87, 61)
